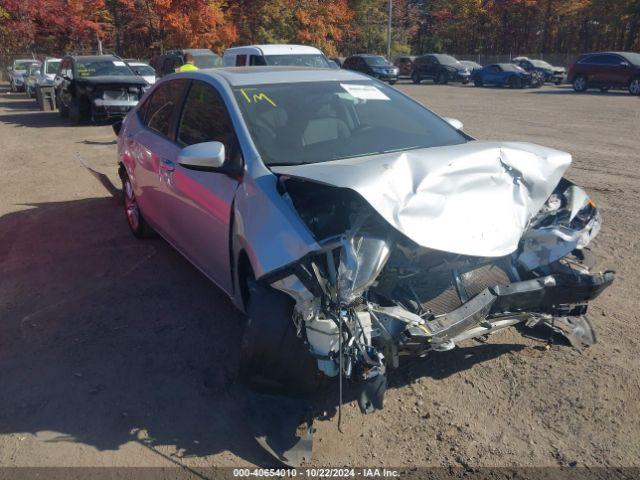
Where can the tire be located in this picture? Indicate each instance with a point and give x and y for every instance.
(392, 82)
(558, 82)
(415, 78)
(137, 224)
(13, 87)
(478, 82)
(75, 112)
(634, 86)
(273, 359)
(515, 82)
(38, 98)
(465, 82)
(442, 78)
(580, 84)
(63, 110)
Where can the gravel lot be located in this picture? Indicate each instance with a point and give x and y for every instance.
(117, 352)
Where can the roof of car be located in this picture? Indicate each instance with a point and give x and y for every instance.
(277, 49)
(94, 57)
(238, 76)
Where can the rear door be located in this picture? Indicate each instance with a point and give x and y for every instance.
(199, 202)
(616, 70)
(155, 151)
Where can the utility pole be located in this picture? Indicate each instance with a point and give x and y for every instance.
(389, 30)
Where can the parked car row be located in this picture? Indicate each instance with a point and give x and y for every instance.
(106, 86)
(603, 71)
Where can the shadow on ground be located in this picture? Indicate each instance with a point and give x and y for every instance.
(105, 339)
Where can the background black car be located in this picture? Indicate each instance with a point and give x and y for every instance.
(374, 65)
(96, 87)
(549, 72)
(167, 63)
(440, 68)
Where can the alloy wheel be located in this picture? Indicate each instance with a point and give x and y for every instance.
(131, 206)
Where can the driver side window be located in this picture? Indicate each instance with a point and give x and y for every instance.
(205, 119)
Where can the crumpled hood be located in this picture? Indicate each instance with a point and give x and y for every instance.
(474, 199)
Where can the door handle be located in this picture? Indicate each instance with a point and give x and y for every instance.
(167, 165)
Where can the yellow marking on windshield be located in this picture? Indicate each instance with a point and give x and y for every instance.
(256, 97)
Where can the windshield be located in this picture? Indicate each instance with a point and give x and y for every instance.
(633, 57)
(376, 61)
(21, 65)
(207, 61)
(144, 70)
(52, 67)
(510, 67)
(541, 64)
(312, 122)
(96, 68)
(298, 60)
(447, 60)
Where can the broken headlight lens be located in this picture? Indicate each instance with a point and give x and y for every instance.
(361, 261)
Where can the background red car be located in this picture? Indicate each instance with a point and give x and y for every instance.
(606, 70)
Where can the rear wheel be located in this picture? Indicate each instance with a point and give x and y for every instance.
(273, 358)
(138, 225)
(580, 84)
(415, 78)
(634, 86)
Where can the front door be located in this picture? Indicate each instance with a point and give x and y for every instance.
(199, 202)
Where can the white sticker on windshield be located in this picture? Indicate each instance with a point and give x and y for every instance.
(118, 63)
(364, 92)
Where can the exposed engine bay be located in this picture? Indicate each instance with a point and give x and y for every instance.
(371, 294)
(376, 289)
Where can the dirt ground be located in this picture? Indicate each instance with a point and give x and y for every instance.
(117, 352)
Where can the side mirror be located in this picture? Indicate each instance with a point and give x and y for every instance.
(454, 122)
(202, 156)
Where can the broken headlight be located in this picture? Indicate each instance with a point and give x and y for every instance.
(569, 220)
(362, 258)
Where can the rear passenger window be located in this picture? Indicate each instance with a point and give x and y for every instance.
(161, 106)
(241, 60)
(205, 119)
(257, 60)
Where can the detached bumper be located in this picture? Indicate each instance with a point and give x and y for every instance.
(540, 295)
(112, 108)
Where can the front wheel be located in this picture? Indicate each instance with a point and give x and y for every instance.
(273, 358)
(392, 82)
(634, 86)
(580, 84)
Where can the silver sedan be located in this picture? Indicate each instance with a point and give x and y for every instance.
(352, 224)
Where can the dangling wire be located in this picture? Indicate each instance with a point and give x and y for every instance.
(340, 379)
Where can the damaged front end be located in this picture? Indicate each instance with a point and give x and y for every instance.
(371, 293)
